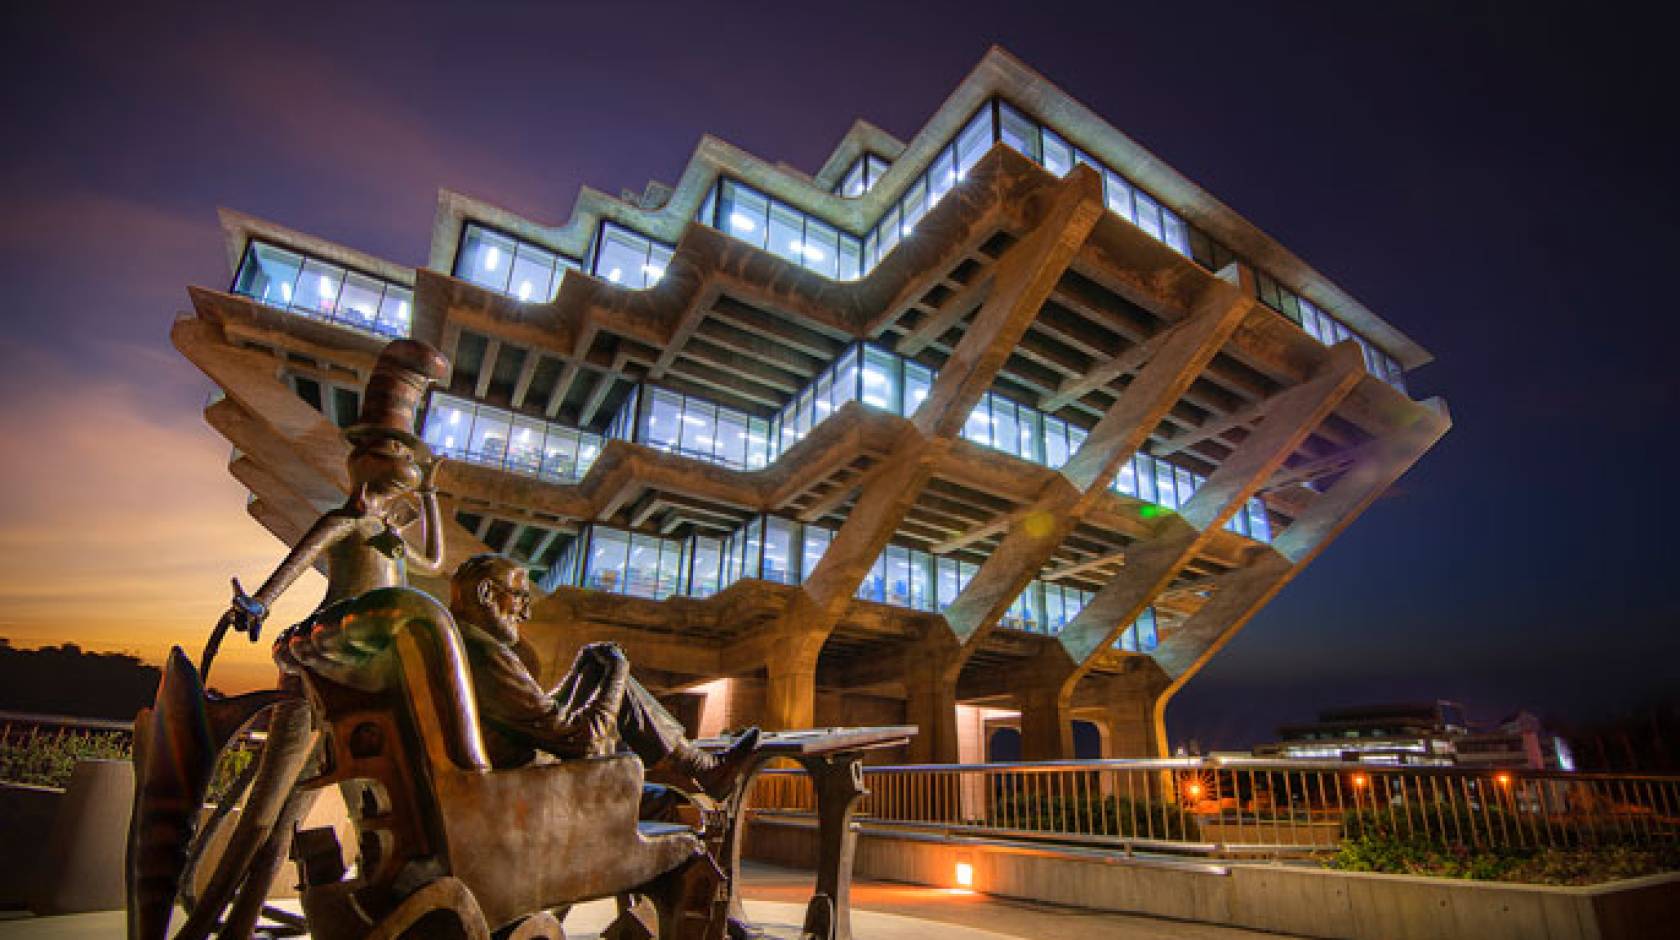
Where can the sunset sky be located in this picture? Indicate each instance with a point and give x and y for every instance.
(1494, 178)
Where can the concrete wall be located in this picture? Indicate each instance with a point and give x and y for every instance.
(26, 819)
(1290, 899)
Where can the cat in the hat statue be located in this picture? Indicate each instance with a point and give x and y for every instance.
(362, 541)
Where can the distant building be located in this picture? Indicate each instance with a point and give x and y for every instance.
(1428, 734)
(1005, 416)
(1374, 734)
(1518, 741)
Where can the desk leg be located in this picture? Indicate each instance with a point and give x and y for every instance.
(728, 852)
(838, 782)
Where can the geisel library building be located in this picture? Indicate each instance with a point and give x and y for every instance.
(1006, 424)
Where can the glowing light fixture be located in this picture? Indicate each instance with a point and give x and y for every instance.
(1503, 779)
(1360, 781)
(965, 875)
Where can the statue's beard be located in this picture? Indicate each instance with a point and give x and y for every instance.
(504, 628)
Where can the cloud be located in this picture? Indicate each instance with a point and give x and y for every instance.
(119, 527)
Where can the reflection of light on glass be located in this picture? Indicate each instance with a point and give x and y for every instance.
(449, 442)
(402, 310)
(326, 286)
(492, 258)
(524, 290)
(741, 222)
(286, 292)
(524, 435)
(653, 271)
(454, 418)
(615, 274)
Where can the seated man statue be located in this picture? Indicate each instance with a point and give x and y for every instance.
(490, 596)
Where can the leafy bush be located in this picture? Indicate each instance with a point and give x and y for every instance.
(1391, 853)
(47, 760)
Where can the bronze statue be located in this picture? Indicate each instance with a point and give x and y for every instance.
(490, 597)
(362, 541)
(378, 697)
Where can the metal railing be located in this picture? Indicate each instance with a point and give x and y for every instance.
(1218, 806)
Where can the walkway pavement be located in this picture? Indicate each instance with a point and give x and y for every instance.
(775, 901)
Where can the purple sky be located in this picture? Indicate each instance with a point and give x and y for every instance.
(1495, 179)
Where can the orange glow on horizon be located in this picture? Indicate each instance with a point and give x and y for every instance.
(120, 534)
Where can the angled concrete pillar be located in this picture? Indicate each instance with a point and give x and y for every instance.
(1025, 278)
(1153, 563)
(1238, 595)
(1034, 534)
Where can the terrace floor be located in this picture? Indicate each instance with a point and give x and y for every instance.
(775, 901)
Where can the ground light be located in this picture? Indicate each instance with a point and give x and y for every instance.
(965, 876)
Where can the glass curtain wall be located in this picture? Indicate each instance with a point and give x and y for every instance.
(754, 217)
(770, 548)
(789, 233)
(509, 265)
(321, 290)
(863, 372)
(881, 379)
(1142, 636)
(603, 558)
(862, 176)
(684, 424)
(1156, 481)
(1327, 329)
(464, 430)
(629, 258)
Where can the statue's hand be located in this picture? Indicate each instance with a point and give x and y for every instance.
(246, 612)
(428, 474)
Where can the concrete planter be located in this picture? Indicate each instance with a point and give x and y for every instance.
(62, 851)
(1296, 900)
(26, 819)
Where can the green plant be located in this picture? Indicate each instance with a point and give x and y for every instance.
(46, 760)
(1389, 852)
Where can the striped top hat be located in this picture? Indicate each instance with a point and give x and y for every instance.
(405, 368)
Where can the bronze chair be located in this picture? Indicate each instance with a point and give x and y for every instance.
(447, 845)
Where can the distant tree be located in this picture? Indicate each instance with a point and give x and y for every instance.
(1644, 739)
(67, 680)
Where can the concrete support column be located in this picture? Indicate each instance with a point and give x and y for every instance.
(1125, 704)
(790, 693)
(930, 672)
(1046, 722)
